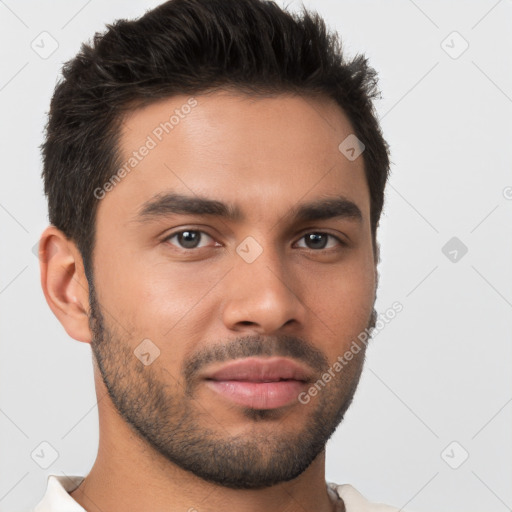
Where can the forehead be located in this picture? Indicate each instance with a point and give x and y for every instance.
(264, 153)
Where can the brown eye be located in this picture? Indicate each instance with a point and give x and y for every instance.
(188, 239)
(319, 240)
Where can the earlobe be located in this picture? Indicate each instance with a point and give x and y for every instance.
(64, 283)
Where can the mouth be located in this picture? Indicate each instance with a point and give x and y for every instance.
(260, 383)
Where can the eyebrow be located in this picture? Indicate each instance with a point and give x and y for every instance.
(164, 205)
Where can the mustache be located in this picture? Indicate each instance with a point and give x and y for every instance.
(256, 345)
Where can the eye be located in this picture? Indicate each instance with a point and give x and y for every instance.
(189, 238)
(196, 239)
(318, 240)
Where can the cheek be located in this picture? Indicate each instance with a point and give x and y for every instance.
(341, 301)
(167, 301)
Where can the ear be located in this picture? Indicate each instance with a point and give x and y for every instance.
(64, 283)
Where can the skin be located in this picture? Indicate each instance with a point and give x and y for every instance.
(265, 155)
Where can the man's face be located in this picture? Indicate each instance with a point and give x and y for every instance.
(234, 316)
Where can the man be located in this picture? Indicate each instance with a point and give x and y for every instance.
(215, 176)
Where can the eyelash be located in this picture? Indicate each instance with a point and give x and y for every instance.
(172, 235)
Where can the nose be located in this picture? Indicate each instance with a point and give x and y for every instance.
(262, 296)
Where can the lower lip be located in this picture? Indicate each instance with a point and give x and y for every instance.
(258, 395)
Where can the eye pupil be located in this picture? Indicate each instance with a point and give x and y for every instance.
(189, 239)
(316, 240)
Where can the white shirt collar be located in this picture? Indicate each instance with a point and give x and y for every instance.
(57, 498)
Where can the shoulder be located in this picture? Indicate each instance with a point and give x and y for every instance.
(355, 502)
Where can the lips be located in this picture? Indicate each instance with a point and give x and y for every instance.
(261, 370)
(260, 383)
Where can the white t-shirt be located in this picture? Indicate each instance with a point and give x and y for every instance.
(57, 498)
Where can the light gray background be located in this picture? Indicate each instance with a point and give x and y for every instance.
(439, 372)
